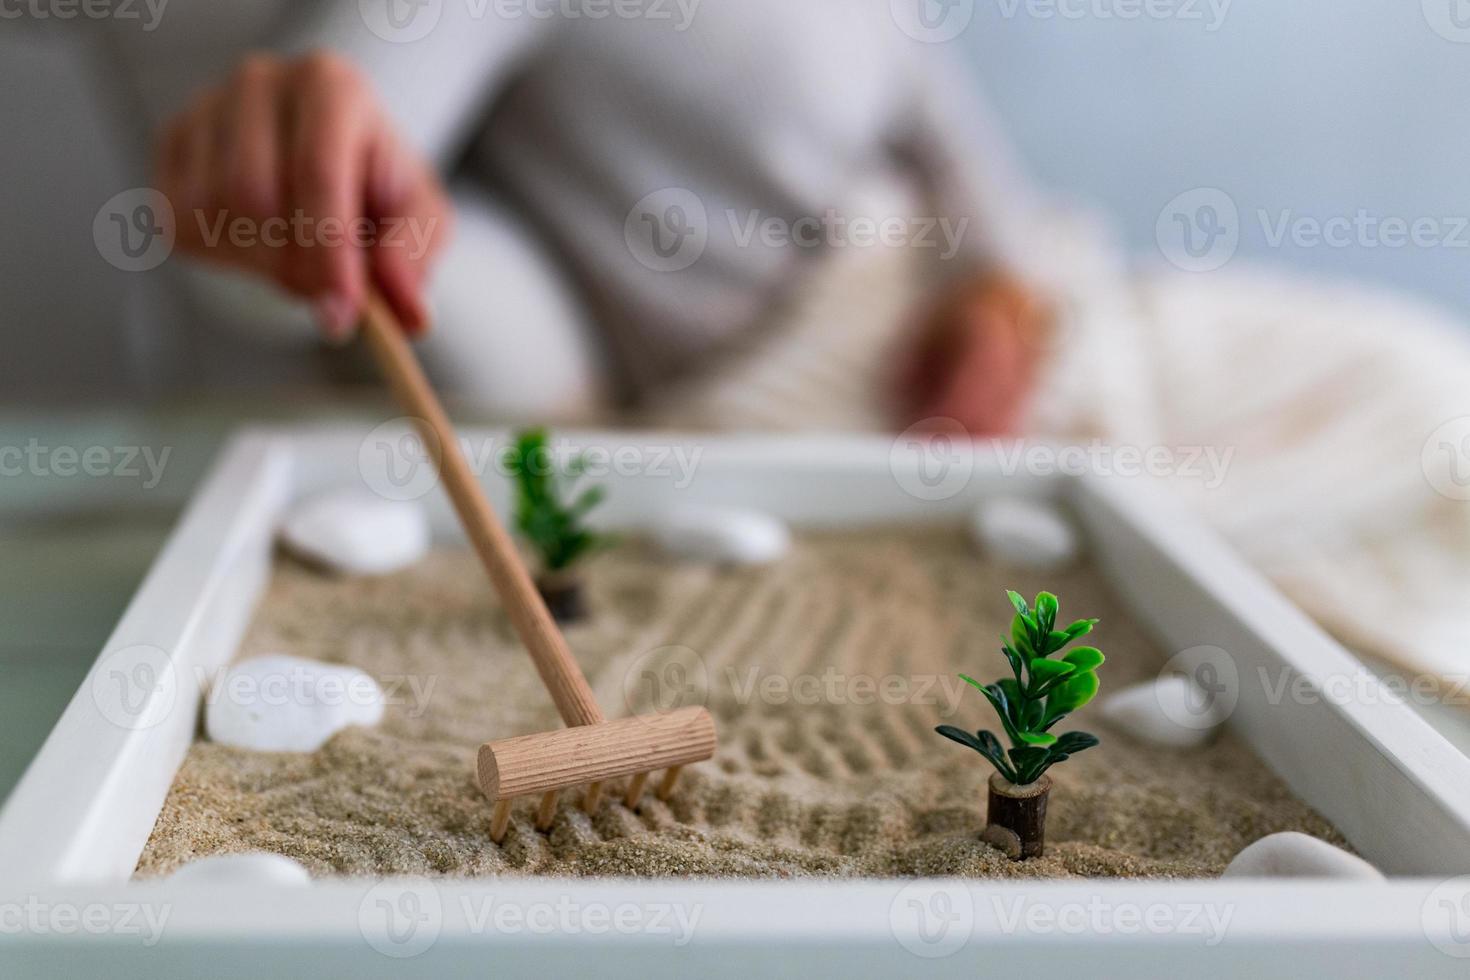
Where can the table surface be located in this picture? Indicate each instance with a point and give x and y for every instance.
(76, 545)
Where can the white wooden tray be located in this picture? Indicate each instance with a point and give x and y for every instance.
(72, 831)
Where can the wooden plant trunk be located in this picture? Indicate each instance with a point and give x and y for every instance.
(1016, 818)
(563, 596)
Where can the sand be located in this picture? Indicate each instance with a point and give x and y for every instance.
(825, 674)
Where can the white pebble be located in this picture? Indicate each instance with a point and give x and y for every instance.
(278, 703)
(357, 533)
(1293, 855)
(1173, 712)
(728, 536)
(256, 868)
(1025, 533)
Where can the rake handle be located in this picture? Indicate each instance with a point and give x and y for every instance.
(523, 603)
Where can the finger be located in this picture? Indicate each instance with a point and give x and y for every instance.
(191, 159)
(251, 145)
(327, 169)
(399, 280)
(388, 201)
(413, 220)
(250, 179)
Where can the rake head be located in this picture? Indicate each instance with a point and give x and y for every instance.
(548, 763)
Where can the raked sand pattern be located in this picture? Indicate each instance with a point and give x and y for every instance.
(825, 673)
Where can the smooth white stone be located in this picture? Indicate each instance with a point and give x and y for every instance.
(729, 536)
(278, 703)
(1293, 855)
(1025, 533)
(357, 532)
(1173, 712)
(256, 868)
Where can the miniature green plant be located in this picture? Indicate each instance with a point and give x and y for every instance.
(1039, 694)
(555, 529)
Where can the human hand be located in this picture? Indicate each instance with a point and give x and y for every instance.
(975, 356)
(291, 170)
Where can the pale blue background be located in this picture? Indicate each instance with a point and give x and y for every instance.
(1321, 106)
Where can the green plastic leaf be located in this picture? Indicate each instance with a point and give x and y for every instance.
(1013, 658)
(1033, 714)
(972, 682)
(963, 737)
(1085, 658)
(1004, 708)
(1080, 628)
(1019, 603)
(1030, 762)
(1046, 612)
(982, 742)
(1069, 745)
(1036, 738)
(998, 698)
(589, 499)
(991, 749)
(1074, 742)
(1021, 636)
(1071, 694)
(1045, 674)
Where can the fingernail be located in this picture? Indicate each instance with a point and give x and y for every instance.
(336, 314)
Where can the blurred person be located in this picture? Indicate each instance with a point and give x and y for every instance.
(1319, 426)
(741, 113)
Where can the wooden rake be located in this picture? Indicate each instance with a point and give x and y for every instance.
(591, 750)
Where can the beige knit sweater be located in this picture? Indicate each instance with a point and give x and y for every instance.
(688, 177)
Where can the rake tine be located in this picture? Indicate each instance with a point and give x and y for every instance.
(500, 821)
(666, 788)
(635, 791)
(547, 812)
